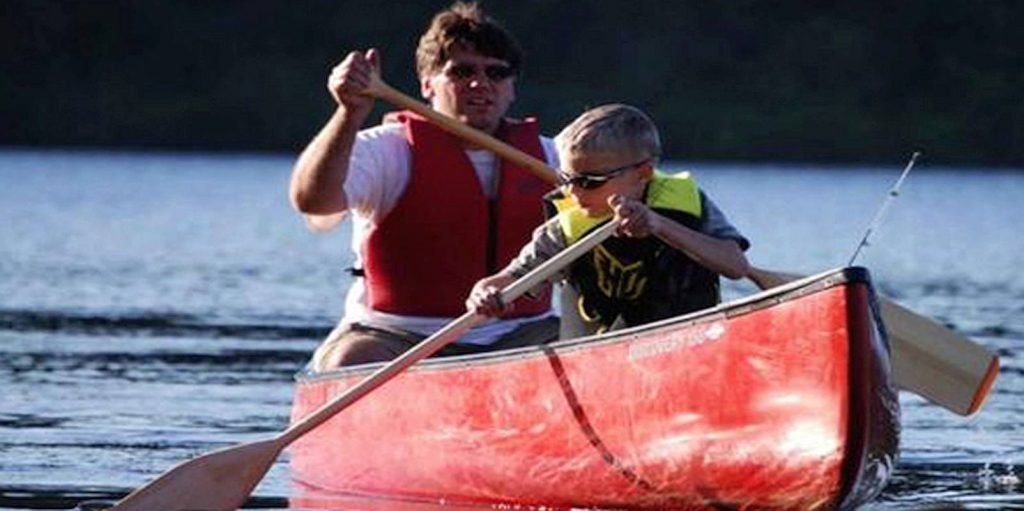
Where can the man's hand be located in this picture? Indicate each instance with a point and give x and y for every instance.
(636, 220)
(351, 77)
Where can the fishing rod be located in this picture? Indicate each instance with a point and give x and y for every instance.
(891, 196)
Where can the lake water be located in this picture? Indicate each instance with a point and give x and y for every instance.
(156, 306)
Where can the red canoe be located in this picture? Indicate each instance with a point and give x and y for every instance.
(781, 400)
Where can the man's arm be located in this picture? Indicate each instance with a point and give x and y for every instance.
(317, 182)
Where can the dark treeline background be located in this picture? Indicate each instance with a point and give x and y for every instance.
(735, 80)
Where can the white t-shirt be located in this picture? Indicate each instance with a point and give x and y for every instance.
(378, 174)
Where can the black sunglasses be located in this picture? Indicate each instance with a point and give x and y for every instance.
(594, 181)
(494, 72)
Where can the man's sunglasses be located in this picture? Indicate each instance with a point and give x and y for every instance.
(594, 181)
(493, 72)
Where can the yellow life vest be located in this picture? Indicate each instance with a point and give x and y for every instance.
(677, 192)
(639, 280)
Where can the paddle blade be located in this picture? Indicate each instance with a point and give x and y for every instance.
(220, 480)
(928, 359)
(937, 363)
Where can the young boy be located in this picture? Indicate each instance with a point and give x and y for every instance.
(671, 244)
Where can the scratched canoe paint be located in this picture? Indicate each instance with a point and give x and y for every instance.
(156, 306)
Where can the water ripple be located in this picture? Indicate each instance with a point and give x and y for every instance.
(148, 324)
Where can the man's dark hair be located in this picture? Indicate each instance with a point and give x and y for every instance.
(465, 26)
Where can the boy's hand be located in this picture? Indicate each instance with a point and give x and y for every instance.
(636, 220)
(485, 299)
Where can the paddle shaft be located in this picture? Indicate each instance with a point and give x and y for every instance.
(383, 91)
(446, 335)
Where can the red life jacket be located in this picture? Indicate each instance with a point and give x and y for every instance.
(444, 234)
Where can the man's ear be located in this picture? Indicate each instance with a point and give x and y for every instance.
(426, 89)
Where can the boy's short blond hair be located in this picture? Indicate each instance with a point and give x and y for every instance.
(611, 129)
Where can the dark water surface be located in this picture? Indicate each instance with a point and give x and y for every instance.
(156, 306)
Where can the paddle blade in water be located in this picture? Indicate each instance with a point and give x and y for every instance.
(220, 480)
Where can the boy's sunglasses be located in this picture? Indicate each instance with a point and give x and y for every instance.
(594, 181)
(493, 72)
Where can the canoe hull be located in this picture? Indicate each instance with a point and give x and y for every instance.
(782, 401)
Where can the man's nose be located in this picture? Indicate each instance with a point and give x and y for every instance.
(479, 80)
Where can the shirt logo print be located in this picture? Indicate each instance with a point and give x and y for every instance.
(618, 280)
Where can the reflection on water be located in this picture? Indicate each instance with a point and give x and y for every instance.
(155, 307)
(913, 487)
(91, 499)
(953, 486)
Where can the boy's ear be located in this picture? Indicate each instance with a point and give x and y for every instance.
(647, 171)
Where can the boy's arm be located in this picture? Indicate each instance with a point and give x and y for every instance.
(485, 297)
(547, 242)
(715, 224)
(720, 255)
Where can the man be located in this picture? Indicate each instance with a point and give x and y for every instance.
(431, 215)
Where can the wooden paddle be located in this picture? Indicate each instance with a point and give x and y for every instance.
(381, 90)
(223, 479)
(928, 359)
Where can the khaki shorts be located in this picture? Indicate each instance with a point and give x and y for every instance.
(361, 344)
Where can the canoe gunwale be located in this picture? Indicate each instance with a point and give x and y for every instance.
(739, 307)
